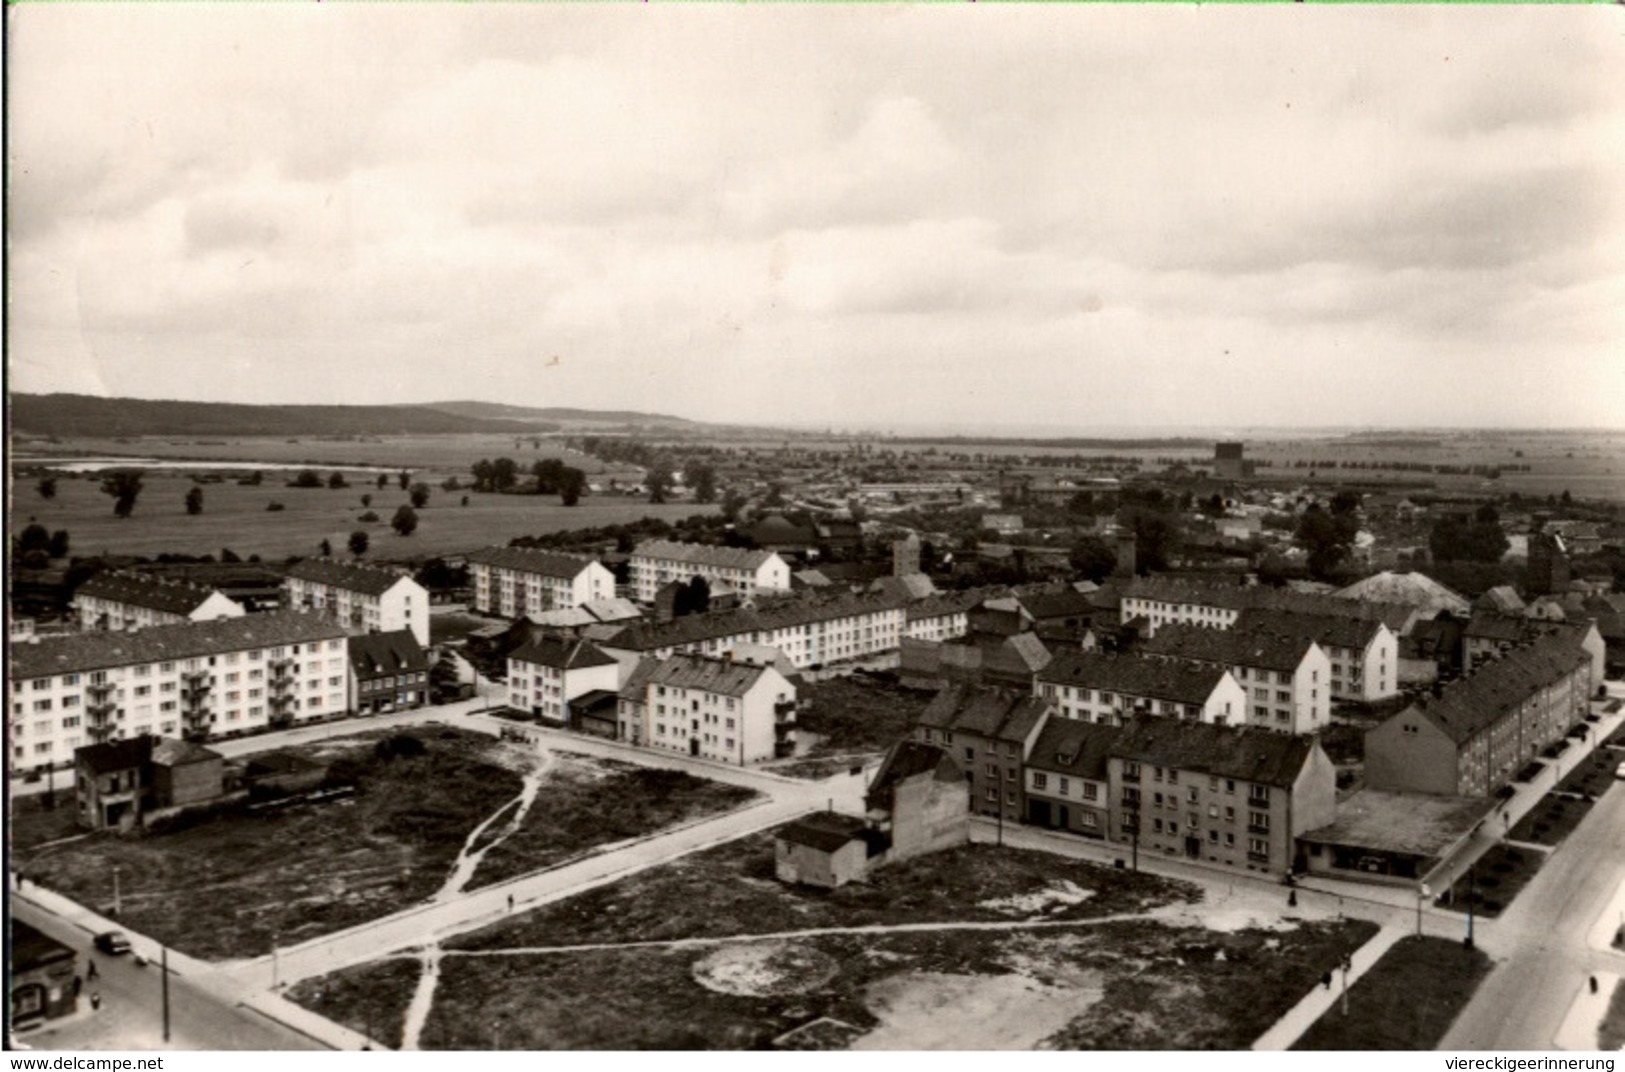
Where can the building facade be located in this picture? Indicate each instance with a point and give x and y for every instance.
(989, 732)
(365, 599)
(1093, 686)
(545, 674)
(725, 710)
(388, 672)
(656, 563)
(518, 582)
(1287, 679)
(119, 601)
(222, 678)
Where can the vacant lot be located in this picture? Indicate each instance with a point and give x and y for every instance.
(236, 517)
(235, 882)
(1120, 985)
(1611, 1032)
(731, 890)
(855, 717)
(1407, 1001)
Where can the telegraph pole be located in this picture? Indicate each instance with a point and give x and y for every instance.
(1468, 942)
(163, 962)
(1348, 962)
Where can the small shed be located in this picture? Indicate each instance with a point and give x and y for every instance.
(825, 850)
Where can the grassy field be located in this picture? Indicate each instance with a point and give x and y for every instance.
(231, 885)
(1611, 1032)
(1407, 1001)
(1121, 985)
(236, 517)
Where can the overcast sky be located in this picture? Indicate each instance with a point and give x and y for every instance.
(1070, 216)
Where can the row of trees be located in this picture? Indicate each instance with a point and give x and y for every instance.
(551, 476)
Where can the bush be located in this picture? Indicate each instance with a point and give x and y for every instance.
(274, 506)
(400, 746)
(370, 515)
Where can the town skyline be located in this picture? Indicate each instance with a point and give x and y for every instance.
(1061, 218)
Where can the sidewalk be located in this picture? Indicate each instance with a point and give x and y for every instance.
(1302, 1016)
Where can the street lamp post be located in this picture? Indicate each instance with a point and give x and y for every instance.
(163, 964)
(1422, 893)
(117, 908)
(1468, 942)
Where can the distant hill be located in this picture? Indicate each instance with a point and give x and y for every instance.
(502, 411)
(68, 415)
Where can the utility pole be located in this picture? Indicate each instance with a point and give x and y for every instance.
(117, 910)
(1422, 893)
(1348, 962)
(163, 963)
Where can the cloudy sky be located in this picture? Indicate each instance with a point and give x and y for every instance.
(1066, 216)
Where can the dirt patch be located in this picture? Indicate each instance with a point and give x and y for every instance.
(1056, 896)
(765, 970)
(934, 1011)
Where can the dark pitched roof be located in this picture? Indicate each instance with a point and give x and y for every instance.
(1489, 626)
(1231, 647)
(776, 528)
(1248, 753)
(81, 652)
(702, 554)
(1500, 686)
(350, 576)
(724, 676)
(143, 590)
(1133, 675)
(1074, 747)
(116, 755)
(531, 560)
(561, 653)
(1335, 630)
(986, 711)
(950, 602)
(387, 653)
(1063, 603)
(635, 687)
(906, 759)
(825, 831)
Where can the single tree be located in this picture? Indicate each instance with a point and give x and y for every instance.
(572, 485)
(366, 500)
(419, 495)
(255, 479)
(658, 481)
(124, 485)
(1326, 538)
(46, 487)
(337, 481)
(465, 500)
(228, 555)
(35, 537)
(327, 547)
(504, 474)
(58, 547)
(405, 520)
(383, 481)
(483, 472)
(358, 543)
(705, 483)
(733, 501)
(194, 501)
(1093, 558)
(307, 478)
(405, 479)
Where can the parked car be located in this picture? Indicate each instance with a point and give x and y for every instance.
(1619, 771)
(113, 943)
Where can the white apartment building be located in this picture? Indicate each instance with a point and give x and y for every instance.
(517, 582)
(719, 709)
(198, 680)
(365, 599)
(1217, 605)
(1287, 679)
(941, 617)
(117, 601)
(1110, 689)
(550, 671)
(1364, 653)
(809, 631)
(656, 563)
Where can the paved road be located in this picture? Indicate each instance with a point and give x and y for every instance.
(1541, 940)
(131, 1015)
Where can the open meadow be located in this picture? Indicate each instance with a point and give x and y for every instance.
(236, 517)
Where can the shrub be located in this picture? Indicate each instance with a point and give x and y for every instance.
(370, 515)
(400, 746)
(274, 506)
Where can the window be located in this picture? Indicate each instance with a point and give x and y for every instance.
(1191, 794)
(1131, 771)
(1091, 791)
(1040, 780)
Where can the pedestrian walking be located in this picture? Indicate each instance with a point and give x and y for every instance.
(91, 973)
(1292, 899)
(95, 1001)
(510, 902)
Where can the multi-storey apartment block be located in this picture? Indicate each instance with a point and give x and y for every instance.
(202, 680)
(1471, 737)
(721, 709)
(1096, 687)
(656, 563)
(118, 601)
(365, 599)
(1364, 652)
(518, 582)
(388, 672)
(1287, 679)
(945, 616)
(1217, 605)
(1067, 783)
(1233, 796)
(809, 630)
(550, 671)
(989, 732)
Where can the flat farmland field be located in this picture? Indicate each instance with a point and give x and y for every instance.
(236, 517)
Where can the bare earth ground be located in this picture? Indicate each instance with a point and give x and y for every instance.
(233, 885)
(1129, 985)
(236, 517)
